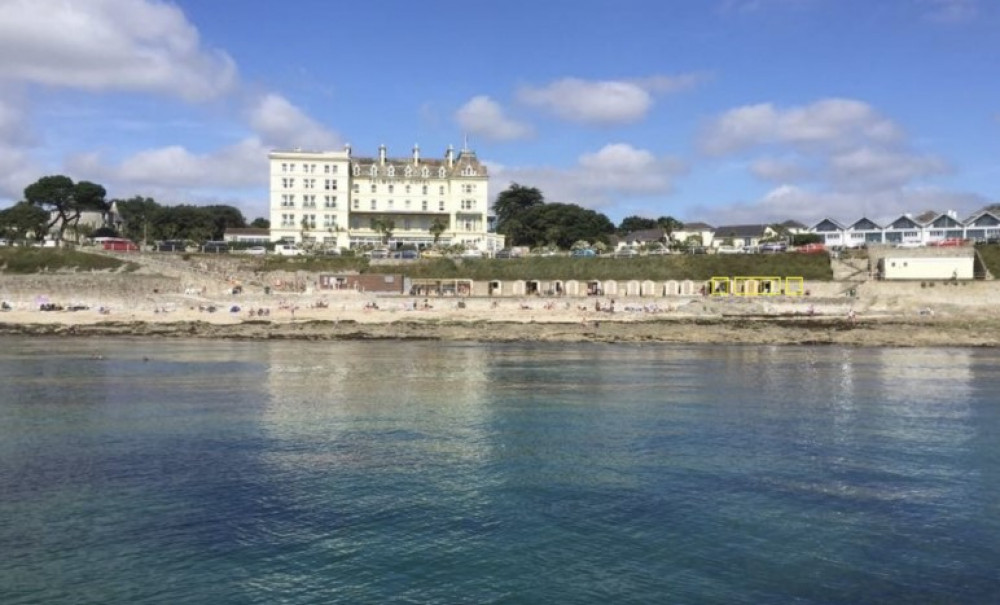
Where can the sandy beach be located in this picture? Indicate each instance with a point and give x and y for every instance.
(879, 315)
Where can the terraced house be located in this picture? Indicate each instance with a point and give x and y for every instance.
(332, 199)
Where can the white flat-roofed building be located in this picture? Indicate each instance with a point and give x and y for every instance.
(332, 199)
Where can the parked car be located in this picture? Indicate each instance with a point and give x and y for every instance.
(287, 249)
(583, 253)
(215, 247)
(908, 245)
(728, 250)
(951, 242)
(772, 247)
(473, 253)
(171, 245)
(257, 250)
(812, 249)
(506, 253)
(626, 253)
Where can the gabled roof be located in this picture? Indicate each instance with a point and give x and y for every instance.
(943, 221)
(903, 222)
(645, 235)
(927, 216)
(865, 224)
(741, 230)
(791, 224)
(697, 226)
(828, 224)
(983, 218)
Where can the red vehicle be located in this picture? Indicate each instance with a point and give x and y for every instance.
(117, 244)
(952, 242)
(812, 249)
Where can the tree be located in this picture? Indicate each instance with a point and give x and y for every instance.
(636, 223)
(512, 203)
(438, 227)
(64, 200)
(261, 223)
(561, 225)
(385, 226)
(23, 220)
(669, 225)
(137, 214)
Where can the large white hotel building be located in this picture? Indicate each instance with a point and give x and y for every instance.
(331, 199)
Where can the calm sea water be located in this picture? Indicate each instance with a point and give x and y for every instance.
(288, 472)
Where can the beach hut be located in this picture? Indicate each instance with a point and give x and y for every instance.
(648, 288)
(687, 288)
(594, 288)
(518, 288)
(611, 288)
(572, 287)
(495, 288)
(632, 288)
(671, 288)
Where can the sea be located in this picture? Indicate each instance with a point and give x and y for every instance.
(139, 471)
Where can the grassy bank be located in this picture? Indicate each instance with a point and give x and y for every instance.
(695, 267)
(990, 253)
(51, 260)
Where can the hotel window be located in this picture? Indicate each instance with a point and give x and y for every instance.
(423, 205)
(425, 172)
(357, 205)
(441, 206)
(357, 170)
(291, 168)
(308, 201)
(373, 187)
(392, 171)
(468, 225)
(391, 188)
(441, 190)
(390, 204)
(373, 204)
(407, 188)
(326, 169)
(333, 169)
(407, 203)
(441, 173)
(357, 188)
(284, 167)
(406, 224)
(331, 201)
(424, 189)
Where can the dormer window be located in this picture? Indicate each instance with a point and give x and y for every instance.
(441, 173)
(469, 171)
(374, 171)
(424, 172)
(408, 172)
(392, 171)
(357, 170)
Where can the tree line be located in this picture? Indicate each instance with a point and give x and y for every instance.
(526, 219)
(54, 206)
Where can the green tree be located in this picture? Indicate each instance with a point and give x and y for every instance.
(64, 200)
(438, 227)
(636, 223)
(260, 223)
(137, 216)
(23, 220)
(561, 225)
(669, 225)
(385, 226)
(512, 204)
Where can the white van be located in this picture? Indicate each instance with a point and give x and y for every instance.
(285, 249)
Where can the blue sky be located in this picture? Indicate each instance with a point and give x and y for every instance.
(706, 110)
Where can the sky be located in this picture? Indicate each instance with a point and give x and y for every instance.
(720, 111)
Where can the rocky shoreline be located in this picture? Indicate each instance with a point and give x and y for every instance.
(798, 330)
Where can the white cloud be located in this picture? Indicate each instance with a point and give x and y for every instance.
(599, 179)
(606, 102)
(110, 45)
(485, 117)
(281, 124)
(876, 169)
(828, 123)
